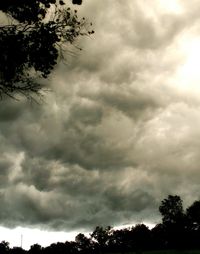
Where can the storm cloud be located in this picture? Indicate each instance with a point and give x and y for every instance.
(117, 133)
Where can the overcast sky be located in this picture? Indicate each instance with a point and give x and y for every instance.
(120, 130)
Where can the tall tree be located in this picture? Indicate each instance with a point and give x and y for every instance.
(173, 220)
(102, 236)
(193, 215)
(171, 209)
(33, 40)
(193, 226)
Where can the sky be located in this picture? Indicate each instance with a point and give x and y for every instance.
(118, 133)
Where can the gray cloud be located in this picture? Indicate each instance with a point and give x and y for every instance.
(115, 136)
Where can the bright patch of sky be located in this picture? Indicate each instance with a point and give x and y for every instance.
(27, 237)
(188, 74)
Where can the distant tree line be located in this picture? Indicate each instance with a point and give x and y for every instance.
(179, 229)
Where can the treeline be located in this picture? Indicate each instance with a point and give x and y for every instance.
(179, 229)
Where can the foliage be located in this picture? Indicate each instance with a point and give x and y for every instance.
(101, 235)
(171, 209)
(4, 247)
(33, 40)
(84, 244)
(193, 214)
(137, 239)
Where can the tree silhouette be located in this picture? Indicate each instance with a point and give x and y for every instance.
(174, 221)
(193, 215)
(84, 244)
(141, 238)
(158, 237)
(121, 241)
(193, 226)
(101, 236)
(4, 247)
(35, 249)
(33, 40)
(18, 250)
(178, 230)
(171, 209)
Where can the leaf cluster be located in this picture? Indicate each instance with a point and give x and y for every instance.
(33, 40)
(26, 11)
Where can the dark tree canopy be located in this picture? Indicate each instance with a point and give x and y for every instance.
(32, 41)
(171, 209)
(178, 232)
(193, 214)
(101, 235)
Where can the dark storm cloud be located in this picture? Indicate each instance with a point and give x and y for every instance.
(114, 136)
(131, 102)
(67, 192)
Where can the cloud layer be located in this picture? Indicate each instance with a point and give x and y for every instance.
(118, 132)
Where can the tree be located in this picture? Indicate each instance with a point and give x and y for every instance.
(4, 247)
(158, 237)
(141, 237)
(193, 215)
(84, 244)
(171, 209)
(193, 226)
(121, 241)
(17, 250)
(35, 249)
(102, 236)
(174, 221)
(33, 41)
